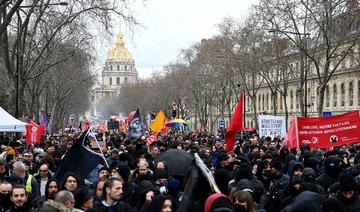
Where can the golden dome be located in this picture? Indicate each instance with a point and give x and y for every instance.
(120, 53)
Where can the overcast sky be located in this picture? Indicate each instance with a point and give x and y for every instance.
(171, 25)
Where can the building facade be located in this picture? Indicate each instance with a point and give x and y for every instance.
(119, 69)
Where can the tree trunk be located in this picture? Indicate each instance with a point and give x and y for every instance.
(321, 100)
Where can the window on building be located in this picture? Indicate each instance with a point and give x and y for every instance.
(327, 96)
(110, 81)
(118, 80)
(297, 97)
(267, 101)
(291, 100)
(334, 96)
(351, 93)
(118, 67)
(281, 102)
(125, 79)
(263, 102)
(342, 91)
(92, 98)
(125, 66)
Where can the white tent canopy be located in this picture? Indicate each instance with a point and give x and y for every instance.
(10, 124)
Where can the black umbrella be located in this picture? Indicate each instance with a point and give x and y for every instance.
(179, 161)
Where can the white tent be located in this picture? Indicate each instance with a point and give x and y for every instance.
(10, 124)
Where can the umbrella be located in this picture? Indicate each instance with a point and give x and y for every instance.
(178, 161)
(176, 123)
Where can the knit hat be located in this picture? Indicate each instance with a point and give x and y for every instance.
(123, 170)
(104, 168)
(347, 182)
(222, 156)
(276, 164)
(245, 185)
(81, 195)
(218, 202)
(308, 175)
(160, 174)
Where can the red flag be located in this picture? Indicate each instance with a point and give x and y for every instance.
(291, 139)
(236, 124)
(33, 133)
(151, 138)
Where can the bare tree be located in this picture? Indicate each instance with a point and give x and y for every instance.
(332, 30)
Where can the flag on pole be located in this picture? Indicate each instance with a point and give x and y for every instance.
(135, 127)
(80, 159)
(44, 121)
(33, 133)
(291, 139)
(236, 124)
(158, 122)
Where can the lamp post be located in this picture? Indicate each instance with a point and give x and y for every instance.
(18, 48)
(303, 64)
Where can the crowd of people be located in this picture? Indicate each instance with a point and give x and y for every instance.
(259, 175)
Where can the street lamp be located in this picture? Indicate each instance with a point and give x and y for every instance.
(17, 73)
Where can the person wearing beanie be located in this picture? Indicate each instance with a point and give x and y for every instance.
(160, 177)
(332, 167)
(347, 194)
(346, 197)
(277, 176)
(218, 202)
(84, 199)
(103, 173)
(309, 183)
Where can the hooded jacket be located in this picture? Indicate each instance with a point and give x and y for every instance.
(52, 206)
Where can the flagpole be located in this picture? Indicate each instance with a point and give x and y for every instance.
(297, 132)
(100, 150)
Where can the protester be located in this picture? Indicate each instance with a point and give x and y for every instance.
(112, 193)
(5, 192)
(257, 175)
(20, 172)
(84, 199)
(51, 189)
(19, 199)
(70, 182)
(42, 177)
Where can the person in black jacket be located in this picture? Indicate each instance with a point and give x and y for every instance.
(51, 189)
(19, 200)
(112, 193)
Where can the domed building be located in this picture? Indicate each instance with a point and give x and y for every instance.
(119, 69)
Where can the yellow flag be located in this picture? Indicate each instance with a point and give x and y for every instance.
(158, 122)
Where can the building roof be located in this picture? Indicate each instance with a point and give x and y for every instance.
(120, 53)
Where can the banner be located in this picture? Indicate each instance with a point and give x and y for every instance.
(327, 132)
(272, 126)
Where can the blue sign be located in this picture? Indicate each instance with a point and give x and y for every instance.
(221, 123)
(327, 113)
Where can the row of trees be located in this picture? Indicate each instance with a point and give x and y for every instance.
(46, 54)
(256, 52)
